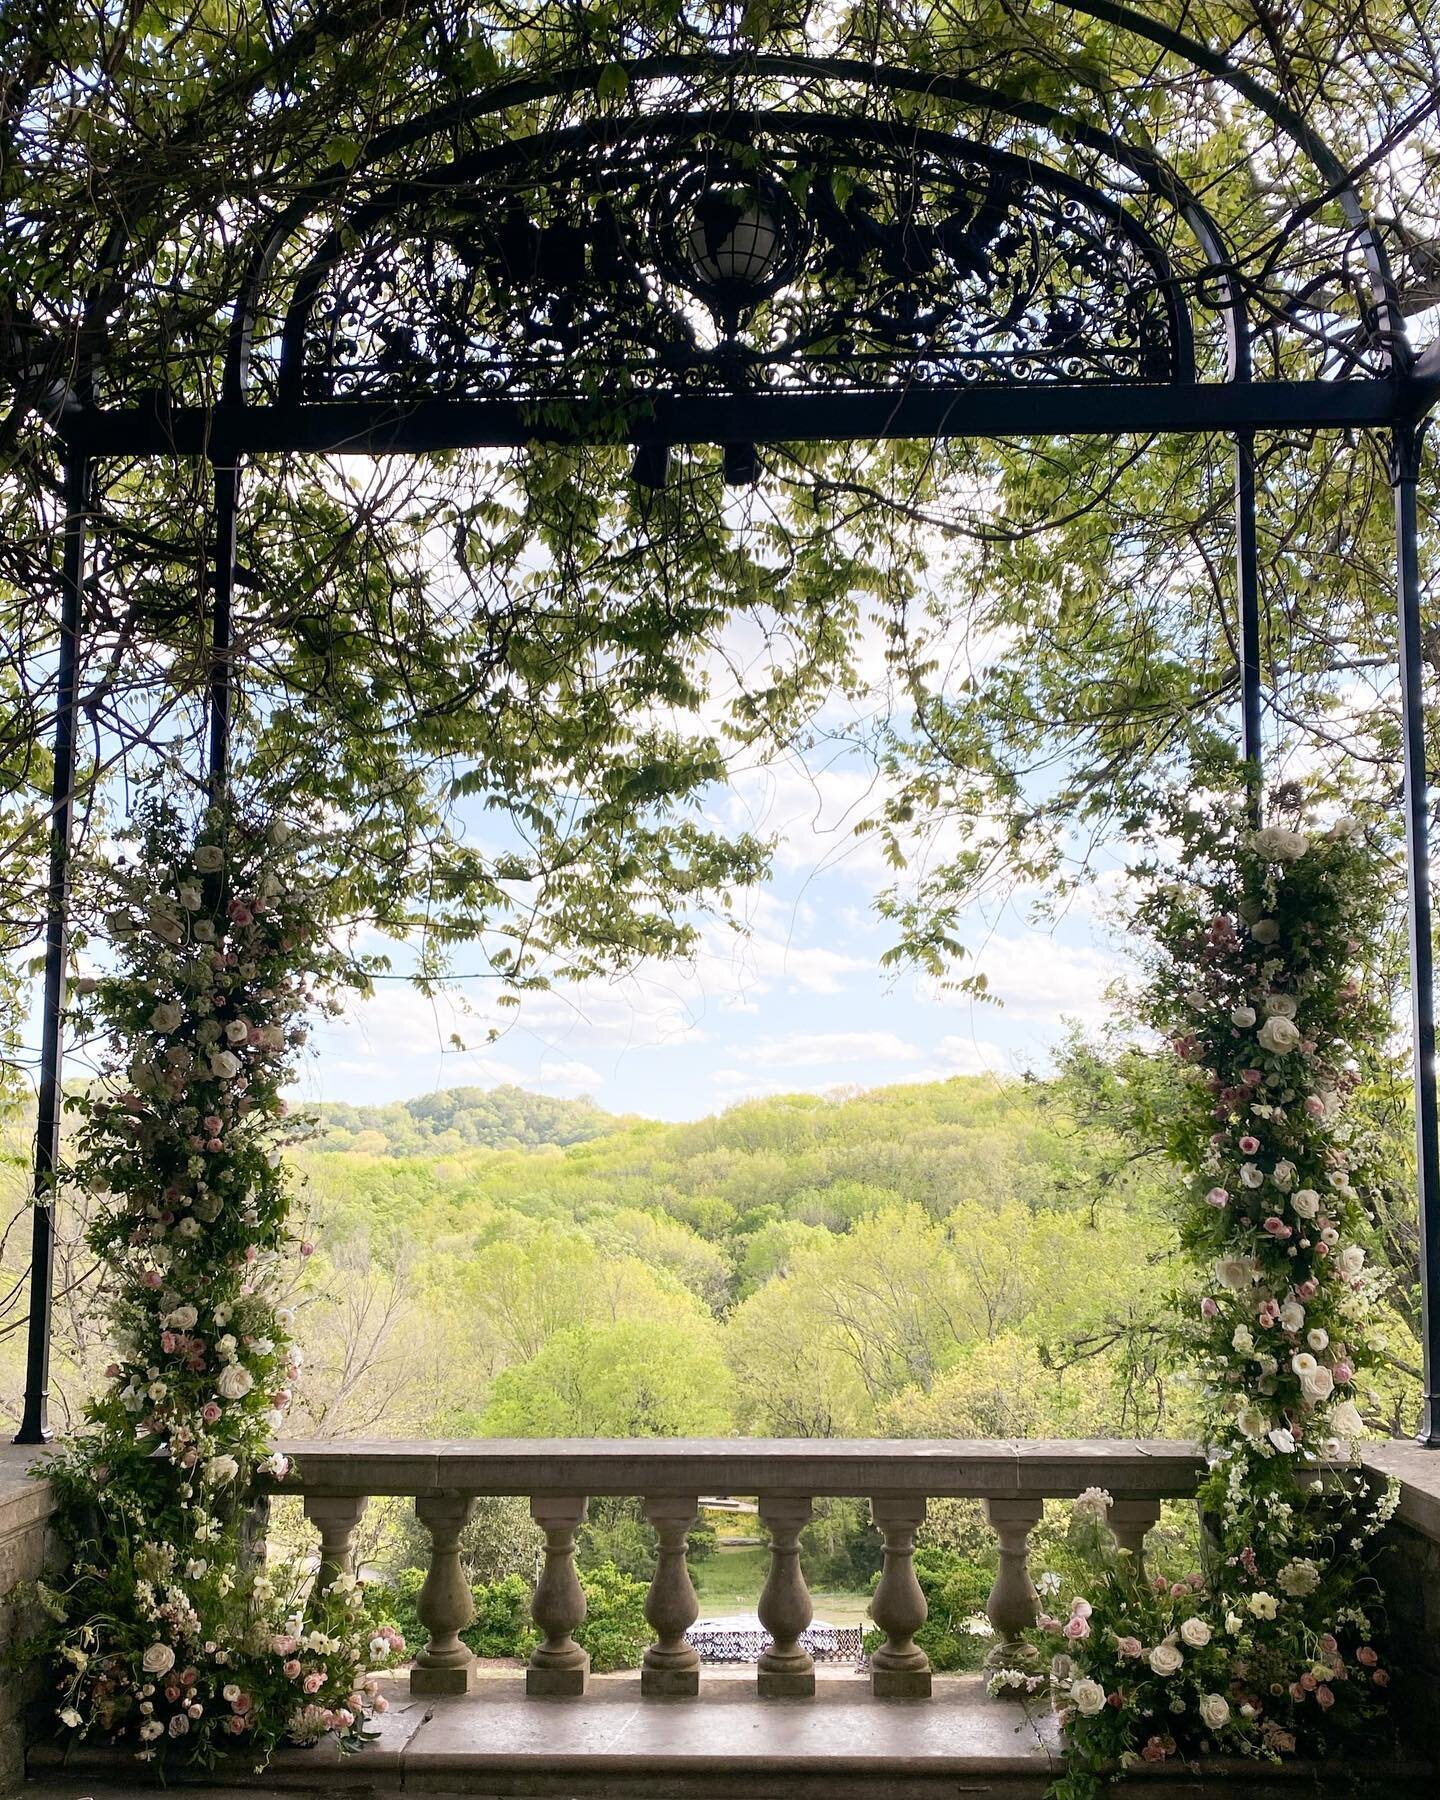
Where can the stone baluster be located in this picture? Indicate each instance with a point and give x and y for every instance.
(899, 1669)
(558, 1666)
(671, 1666)
(335, 1517)
(1129, 1520)
(444, 1603)
(1013, 1604)
(786, 1669)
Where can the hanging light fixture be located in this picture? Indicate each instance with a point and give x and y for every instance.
(729, 236)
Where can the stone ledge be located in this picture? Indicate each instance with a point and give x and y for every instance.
(1417, 1469)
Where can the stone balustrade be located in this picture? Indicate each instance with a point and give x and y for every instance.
(1012, 1478)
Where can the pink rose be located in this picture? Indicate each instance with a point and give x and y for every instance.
(1048, 1622)
(167, 1341)
(1324, 1696)
(1380, 1678)
(1315, 1106)
(284, 1645)
(210, 1412)
(1129, 1646)
(291, 1669)
(1249, 1145)
(241, 1703)
(1343, 1371)
(1208, 1308)
(380, 1704)
(1076, 1627)
(211, 1122)
(307, 1248)
(1329, 1642)
(1217, 1197)
(1251, 1077)
(314, 1682)
(1277, 1227)
(1308, 1682)
(1366, 1656)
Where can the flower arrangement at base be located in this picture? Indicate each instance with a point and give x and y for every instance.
(170, 1632)
(1271, 1649)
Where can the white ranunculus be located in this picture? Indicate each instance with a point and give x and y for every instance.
(209, 859)
(1318, 1339)
(1305, 1202)
(1214, 1710)
(1088, 1697)
(1243, 1016)
(224, 1065)
(1265, 931)
(234, 1382)
(167, 1016)
(1303, 1363)
(236, 1031)
(1351, 1260)
(1279, 1036)
(1165, 1659)
(159, 1659)
(1278, 844)
(1195, 1633)
(1280, 1006)
(220, 1469)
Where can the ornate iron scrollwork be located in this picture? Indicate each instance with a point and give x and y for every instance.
(793, 254)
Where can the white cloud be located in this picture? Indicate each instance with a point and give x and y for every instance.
(1036, 977)
(829, 1049)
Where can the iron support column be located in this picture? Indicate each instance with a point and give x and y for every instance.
(1405, 474)
(1247, 569)
(227, 505)
(35, 1420)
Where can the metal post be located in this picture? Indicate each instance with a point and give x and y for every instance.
(35, 1421)
(1404, 475)
(227, 506)
(1247, 567)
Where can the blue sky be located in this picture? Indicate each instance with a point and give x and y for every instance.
(797, 1001)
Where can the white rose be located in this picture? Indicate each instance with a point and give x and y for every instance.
(1303, 1363)
(1318, 1385)
(1351, 1260)
(1088, 1696)
(167, 1016)
(191, 897)
(1165, 1659)
(1243, 1016)
(1283, 1175)
(1278, 1035)
(209, 859)
(235, 1382)
(1278, 844)
(1233, 1272)
(1214, 1710)
(1196, 1633)
(1265, 931)
(1305, 1202)
(220, 1469)
(159, 1659)
(1280, 1006)
(184, 1318)
(1242, 1340)
(224, 1065)
(1345, 1420)
(236, 1031)
(1251, 1176)
(1318, 1339)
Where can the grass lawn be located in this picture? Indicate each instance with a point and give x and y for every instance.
(730, 1581)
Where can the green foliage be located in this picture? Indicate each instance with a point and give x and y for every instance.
(955, 1588)
(498, 1118)
(615, 1631)
(501, 1627)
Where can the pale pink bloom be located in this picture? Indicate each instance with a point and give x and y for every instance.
(1249, 1145)
(1077, 1627)
(1251, 1077)
(1129, 1646)
(209, 1412)
(1208, 1308)
(314, 1682)
(1366, 1656)
(1217, 1197)
(307, 1248)
(291, 1669)
(1315, 1106)
(1277, 1227)
(1381, 1678)
(1324, 1696)
(151, 1278)
(242, 1703)
(167, 1341)
(380, 1704)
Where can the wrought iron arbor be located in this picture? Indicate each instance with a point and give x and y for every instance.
(752, 250)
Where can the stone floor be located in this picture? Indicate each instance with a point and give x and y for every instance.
(496, 1744)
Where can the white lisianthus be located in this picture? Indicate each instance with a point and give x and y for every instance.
(159, 1659)
(1305, 1202)
(1088, 1697)
(1195, 1633)
(169, 1015)
(1279, 1036)
(1243, 1016)
(234, 1382)
(1251, 1175)
(1279, 844)
(1265, 931)
(1165, 1659)
(1214, 1710)
(191, 897)
(1280, 1006)
(209, 859)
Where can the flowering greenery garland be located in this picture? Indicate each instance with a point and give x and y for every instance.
(1270, 1650)
(170, 1631)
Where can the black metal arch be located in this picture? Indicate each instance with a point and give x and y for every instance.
(1394, 392)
